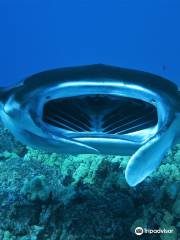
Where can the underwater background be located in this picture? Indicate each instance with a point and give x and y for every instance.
(49, 196)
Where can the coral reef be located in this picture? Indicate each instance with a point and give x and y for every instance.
(83, 197)
(9, 144)
(37, 189)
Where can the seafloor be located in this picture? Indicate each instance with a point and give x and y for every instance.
(83, 197)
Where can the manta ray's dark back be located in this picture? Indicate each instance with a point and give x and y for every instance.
(99, 71)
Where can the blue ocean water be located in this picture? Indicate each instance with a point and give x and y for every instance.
(40, 35)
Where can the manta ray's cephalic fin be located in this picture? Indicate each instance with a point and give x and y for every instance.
(148, 157)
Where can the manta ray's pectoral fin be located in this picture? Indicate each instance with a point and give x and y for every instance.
(2, 90)
(147, 158)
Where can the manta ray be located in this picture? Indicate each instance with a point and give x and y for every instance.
(96, 109)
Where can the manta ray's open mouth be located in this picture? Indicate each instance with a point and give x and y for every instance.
(100, 113)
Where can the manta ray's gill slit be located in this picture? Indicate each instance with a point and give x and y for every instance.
(62, 119)
(130, 115)
(136, 123)
(137, 127)
(60, 124)
(118, 119)
(65, 117)
(120, 111)
(71, 119)
(100, 113)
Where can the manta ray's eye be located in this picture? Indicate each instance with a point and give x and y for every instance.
(98, 113)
